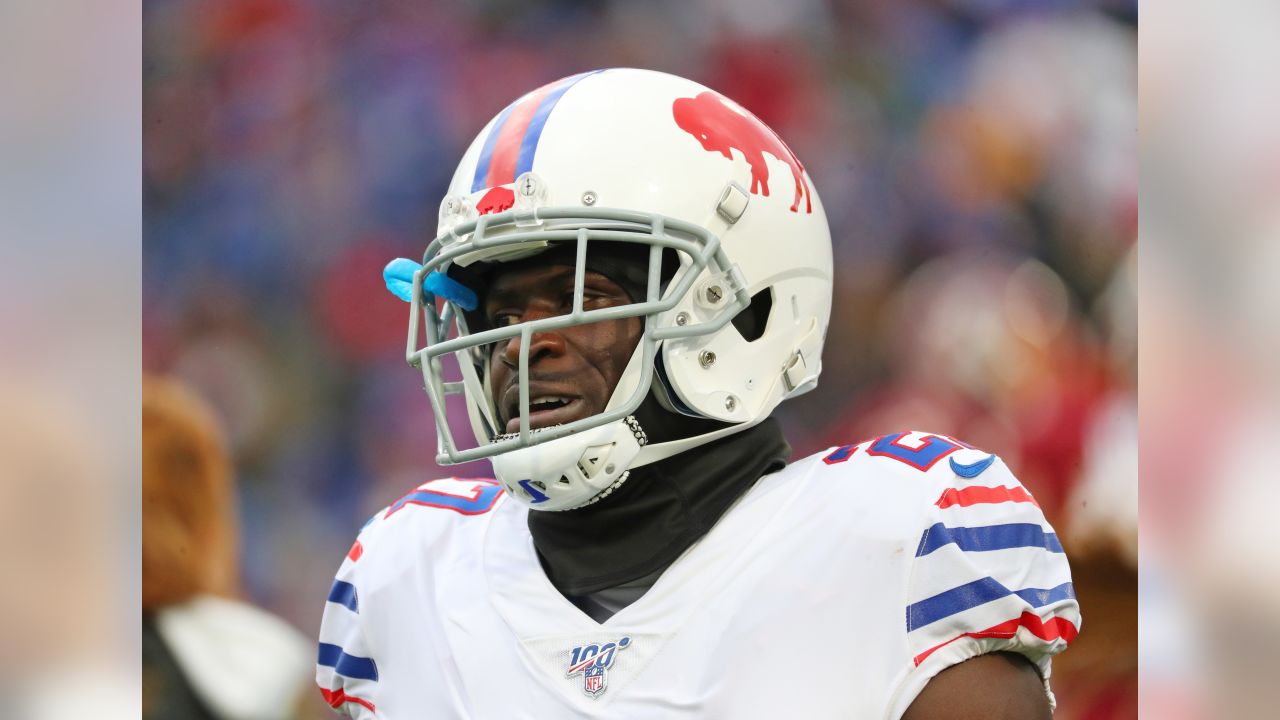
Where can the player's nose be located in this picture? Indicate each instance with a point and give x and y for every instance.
(548, 343)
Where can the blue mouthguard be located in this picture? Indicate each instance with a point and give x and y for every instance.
(398, 274)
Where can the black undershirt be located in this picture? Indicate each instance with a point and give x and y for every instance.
(630, 537)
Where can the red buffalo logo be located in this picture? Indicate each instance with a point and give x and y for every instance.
(496, 200)
(721, 128)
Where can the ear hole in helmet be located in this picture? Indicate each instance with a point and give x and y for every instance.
(752, 320)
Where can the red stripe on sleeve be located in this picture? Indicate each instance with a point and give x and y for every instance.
(336, 698)
(506, 150)
(1055, 629)
(978, 495)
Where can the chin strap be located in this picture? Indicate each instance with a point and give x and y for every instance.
(661, 451)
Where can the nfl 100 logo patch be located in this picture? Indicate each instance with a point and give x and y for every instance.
(594, 661)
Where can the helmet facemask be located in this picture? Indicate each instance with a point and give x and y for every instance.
(576, 462)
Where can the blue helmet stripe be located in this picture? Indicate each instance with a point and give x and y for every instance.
(529, 145)
(486, 153)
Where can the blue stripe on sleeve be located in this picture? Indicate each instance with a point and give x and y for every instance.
(348, 665)
(529, 144)
(344, 593)
(1040, 598)
(991, 537)
(979, 592)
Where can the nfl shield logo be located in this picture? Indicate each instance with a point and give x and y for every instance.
(594, 661)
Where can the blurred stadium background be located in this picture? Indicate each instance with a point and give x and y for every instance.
(977, 159)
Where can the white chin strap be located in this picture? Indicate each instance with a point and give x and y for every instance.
(571, 471)
(578, 469)
(661, 451)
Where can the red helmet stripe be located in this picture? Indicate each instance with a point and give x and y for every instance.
(509, 149)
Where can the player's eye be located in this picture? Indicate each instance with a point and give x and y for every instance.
(504, 319)
(590, 298)
(601, 296)
(596, 299)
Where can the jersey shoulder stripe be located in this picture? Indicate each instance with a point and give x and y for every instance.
(343, 663)
(988, 537)
(344, 593)
(346, 673)
(979, 592)
(1047, 631)
(983, 495)
(441, 514)
(338, 698)
(989, 573)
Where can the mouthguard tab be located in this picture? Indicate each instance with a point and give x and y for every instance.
(398, 274)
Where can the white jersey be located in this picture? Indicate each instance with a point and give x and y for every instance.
(835, 588)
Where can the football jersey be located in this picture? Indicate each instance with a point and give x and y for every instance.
(834, 588)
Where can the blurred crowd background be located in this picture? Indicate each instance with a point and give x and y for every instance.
(977, 158)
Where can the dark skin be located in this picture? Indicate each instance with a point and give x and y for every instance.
(998, 686)
(582, 365)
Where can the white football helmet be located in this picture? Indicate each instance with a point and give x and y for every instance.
(641, 157)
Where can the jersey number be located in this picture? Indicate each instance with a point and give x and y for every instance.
(468, 497)
(931, 449)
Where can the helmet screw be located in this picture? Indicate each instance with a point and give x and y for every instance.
(588, 198)
(528, 186)
(682, 318)
(714, 293)
(706, 358)
(608, 469)
(730, 403)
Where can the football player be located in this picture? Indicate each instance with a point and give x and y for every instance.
(631, 273)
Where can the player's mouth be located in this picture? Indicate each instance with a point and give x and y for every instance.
(545, 411)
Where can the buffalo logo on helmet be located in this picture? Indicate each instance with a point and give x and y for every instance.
(496, 200)
(720, 128)
(594, 661)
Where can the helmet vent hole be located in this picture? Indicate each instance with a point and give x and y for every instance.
(592, 460)
(752, 321)
(564, 479)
